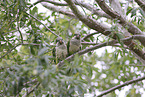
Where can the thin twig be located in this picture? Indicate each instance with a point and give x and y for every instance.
(18, 25)
(20, 34)
(136, 65)
(55, 3)
(9, 32)
(15, 47)
(33, 89)
(33, 81)
(29, 44)
(9, 51)
(88, 43)
(42, 24)
(120, 86)
(89, 35)
(36, 3)
(29, 92)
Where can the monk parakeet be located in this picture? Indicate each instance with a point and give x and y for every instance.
(60, 51)
(74, 44)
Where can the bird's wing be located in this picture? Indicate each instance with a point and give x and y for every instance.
(54, 52)
(68, 45)
(80, 47)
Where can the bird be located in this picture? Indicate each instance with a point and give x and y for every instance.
(60, 51)
(74, 45)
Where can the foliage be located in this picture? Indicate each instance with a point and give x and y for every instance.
(26, 62)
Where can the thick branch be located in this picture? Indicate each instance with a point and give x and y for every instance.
(116, 6)
(59, 10)
(131, 27)
(141, 38)
(120, 86)
(141, 4)
(93, 24)
(80, 3)
(92, 9)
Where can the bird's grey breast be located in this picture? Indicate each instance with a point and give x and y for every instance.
(75, 42)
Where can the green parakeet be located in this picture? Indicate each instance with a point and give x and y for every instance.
(74, 44)
(60, 51)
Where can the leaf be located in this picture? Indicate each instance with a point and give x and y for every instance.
(35, 10)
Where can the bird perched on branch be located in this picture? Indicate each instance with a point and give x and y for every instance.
(60, 51)
(74, 44)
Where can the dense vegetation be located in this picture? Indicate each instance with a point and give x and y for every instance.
(27, 38)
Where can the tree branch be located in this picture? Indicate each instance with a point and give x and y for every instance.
(42, 24)
(92, 9)
(29, 92)
(93, 24)
(35, 3)
(89, 35)
(15, 47)
(116, 6)
(59, 10)
(80, 3)
(9, 51)
(131, 27)
(88, 43)
(136, 65)
(141, 4)
(90, 22)
(69, 58)
(55, 3)
(141, 38)
(120, 86)
(20, 33)
(9, 32)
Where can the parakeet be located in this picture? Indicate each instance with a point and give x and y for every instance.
(60, 51)
(74, 44)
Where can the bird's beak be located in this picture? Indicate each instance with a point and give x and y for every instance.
(78, 36)
(60, 41)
